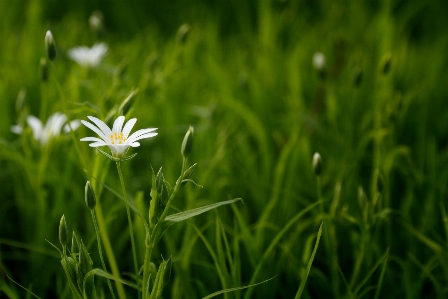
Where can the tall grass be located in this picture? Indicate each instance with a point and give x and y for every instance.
(243, 76)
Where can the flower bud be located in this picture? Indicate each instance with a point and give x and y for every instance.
(319, 63)
(75, 248)
(50, 47)
(90, 196)
(182, 33)
(43, 70)
(317, 164)
(187, 144)
(85, 262)
(63, 232)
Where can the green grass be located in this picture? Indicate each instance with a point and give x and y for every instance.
(244, 79)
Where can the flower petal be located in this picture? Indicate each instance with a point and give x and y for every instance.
(128, 127)
(134, 144)
(101, 125)
(95, 129)
(136, 135)
(91, 139)
(97, 144)
(74, 124)
(36, 126)
(118, 124)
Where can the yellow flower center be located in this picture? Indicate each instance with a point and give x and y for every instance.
(117, 138)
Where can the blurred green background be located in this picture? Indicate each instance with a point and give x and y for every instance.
(243, 76)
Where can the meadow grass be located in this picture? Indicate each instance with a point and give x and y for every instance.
(243, 77)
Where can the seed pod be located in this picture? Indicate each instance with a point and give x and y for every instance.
(50, 47)
(90, 196)
(63, 232)
(317, 164)
(187, 144)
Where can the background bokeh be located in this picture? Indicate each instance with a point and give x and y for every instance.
(242, 75)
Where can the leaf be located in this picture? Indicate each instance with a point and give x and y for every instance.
(161, 227)
(102, 273)
(310, 262)
(236, 289)
(23, 287)
(125, 201)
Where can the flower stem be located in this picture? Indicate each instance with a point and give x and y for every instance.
(99, 249)
(106, 242)
(145, 281)
(131, 231)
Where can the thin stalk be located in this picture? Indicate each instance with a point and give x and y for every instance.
(64, 106)
(145, 284)
(131, 231)
(150, 245)
(106, 241)
(92, 211)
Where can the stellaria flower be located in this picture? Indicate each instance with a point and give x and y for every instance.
(53, 127)
(86, 56)
(117, 139)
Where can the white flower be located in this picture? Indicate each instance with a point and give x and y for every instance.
(319, 61)
(86, 56)
(117, 139)
(52, 128)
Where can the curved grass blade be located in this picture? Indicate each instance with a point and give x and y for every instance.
(236, 289)
(310, 262)
(161, 227)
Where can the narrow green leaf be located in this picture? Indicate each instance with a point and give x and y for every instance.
(310, 262)
(23, 287)
(102, 273)
(161, 227)
(370, 273)
(89, 287)
(236, 289)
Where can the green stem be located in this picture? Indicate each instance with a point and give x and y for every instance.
(131, 231)
(99, 250)
(148, 253)
(108, 249)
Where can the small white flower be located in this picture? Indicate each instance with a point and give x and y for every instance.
(319, 61)
(86, 56)
(52, 128)
(117, 139)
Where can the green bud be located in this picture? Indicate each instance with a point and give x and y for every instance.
(90, 196)
(187, 144)
(75, 247)
(317, 164)
(182, 33)
(50, 47)
(63, 232)
(43, 70)
(85, 262)
(188, 173)
(152, 270)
